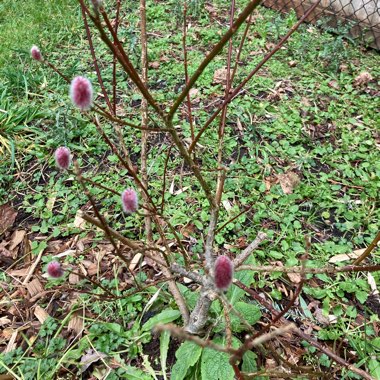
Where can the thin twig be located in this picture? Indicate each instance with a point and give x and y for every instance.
(239, 260)
(214, 52)
(329, 269)
(94, 59)
(369, 249)
(144, 116)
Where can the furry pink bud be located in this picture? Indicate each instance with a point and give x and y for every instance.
(62, 157)
(35, 53)
(54, 269)
(224, 271)
(129, 201)
(81, 93)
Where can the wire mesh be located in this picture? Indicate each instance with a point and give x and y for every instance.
(361, 18)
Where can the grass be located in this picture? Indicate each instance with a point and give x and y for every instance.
(302, 114)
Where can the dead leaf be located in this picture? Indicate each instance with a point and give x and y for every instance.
(76, 324)
(363, 79)
(91, 357)
(288, 181)
(294, 277)
(73, 278)
(16, 238)
(220, 76)
(5, 321)
(154, 65)
(227, 205)
(4, 251)
(346, 256)
(334, 84)
(79, 222)
(7, 217)
(41, 314)
(193, 92)
(269, 182)
(136, 259)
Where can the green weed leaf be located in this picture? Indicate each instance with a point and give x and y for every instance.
(187, 355)
(168, 315)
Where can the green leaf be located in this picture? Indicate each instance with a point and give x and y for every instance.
(246, 277)
(251, 313)
(249, 362)
(361, 296)
(166, 316)
(187, 355)
(164, 348)
(114, 327)
(216, 365)
(132, 373)
(374, 368)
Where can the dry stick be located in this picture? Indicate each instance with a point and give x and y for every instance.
(144, 116)
(64, 77)
(94, 59)
(185, 64)
(251, 74)
(239, 260)
(331, 269)
(215, 51)
(369, 249)
(304, 336)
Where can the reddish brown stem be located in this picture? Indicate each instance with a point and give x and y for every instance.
(94, 59)
(114, 60)
(185, 64)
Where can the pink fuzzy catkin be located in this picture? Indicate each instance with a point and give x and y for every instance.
(223, 272)
(129, 201)
(54, 269)
(62, 157)
(35, 53)
(81, 93)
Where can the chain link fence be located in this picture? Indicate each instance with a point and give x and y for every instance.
(360, 18)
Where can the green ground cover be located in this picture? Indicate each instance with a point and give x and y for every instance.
(302, 146)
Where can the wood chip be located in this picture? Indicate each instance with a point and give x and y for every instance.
(12, 342)
(76, 324)
(135, 261)
(18, 272)
(34, 287)
(16, 238)
(73, 278)
(41, 314)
